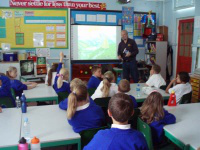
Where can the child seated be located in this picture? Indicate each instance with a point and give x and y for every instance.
(124, 87)
(81, 114)
(153, 113)
(120, 136)
(155, 78)
(73, 84)
(183, 86)
(107, 87)
(60, 83)
(50, 77)
(94, 80)
(17, 85)
(5, 86)
(0, 110)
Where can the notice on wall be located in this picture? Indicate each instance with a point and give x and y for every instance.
(91, 18)
(101, 18)
(61, 28)
(38, 39)
(61, 43)
(80, 17)
(111, 18)
(50, 44)
(197, 22)
(50, 37)
(43, 52)
(49, 28)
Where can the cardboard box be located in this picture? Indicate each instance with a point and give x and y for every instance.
(163, 30)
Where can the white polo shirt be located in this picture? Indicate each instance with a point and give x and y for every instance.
(98, 93)
(156, 80)
(180, 90)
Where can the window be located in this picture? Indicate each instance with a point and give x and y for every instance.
(181, 4)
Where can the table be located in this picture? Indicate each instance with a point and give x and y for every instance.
(50, 125)
(40, 93)
(143, 96)
(186, 129)
(10, 124)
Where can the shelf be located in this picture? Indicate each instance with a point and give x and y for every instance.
(154, 41)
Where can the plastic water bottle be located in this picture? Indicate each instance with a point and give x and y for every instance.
(118, 79)
(24, 106)
(35, 144)
(26, 129)
(22, 144)
(138, 90)
(18, 103)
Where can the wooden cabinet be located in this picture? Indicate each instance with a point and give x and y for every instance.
(195, 83)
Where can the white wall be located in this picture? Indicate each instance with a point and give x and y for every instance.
(171, 18)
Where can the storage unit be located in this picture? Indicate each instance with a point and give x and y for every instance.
(163, 30)
(195, 83)
(156, 52)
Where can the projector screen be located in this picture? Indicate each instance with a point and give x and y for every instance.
(89, 42)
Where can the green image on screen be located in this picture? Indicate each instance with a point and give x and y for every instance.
(97, 42)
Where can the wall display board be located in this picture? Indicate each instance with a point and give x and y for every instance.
(34, 28)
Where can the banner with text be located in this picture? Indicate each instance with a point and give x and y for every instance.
(57, 4)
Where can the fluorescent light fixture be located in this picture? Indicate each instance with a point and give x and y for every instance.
(185, 9)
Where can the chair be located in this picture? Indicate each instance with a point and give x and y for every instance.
(134, 118)
(87, 135)
(103, 103)
(62, 96)
(7, 102)
(91, 91)
(146, 130)
(185, 99)
(13, 93)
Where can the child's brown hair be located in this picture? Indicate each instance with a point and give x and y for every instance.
(184, 77)
(121, 107)
(124, 86)
(152, 108)
(50, 73)
(95, 68)
(75, 82)
(79, 94)
(156, 68)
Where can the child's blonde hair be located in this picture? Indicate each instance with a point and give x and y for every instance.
(63, 72)
(152, 108)
(10, 69)
(79, 94)
(75, 82)
(107, 79)
(124, 86)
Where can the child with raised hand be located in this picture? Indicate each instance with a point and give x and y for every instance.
(81, 114)
(155, 79)
(17, 85)
(107, 87)
(61, 84)
(73, 84)
(153, 113)
(94, 80)
(124, 87)
(182, 87)
(120, 136)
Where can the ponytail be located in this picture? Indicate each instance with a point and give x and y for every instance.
(106, 87)
(78, 95)
(108, 78)
(72, 105)
(63, 72)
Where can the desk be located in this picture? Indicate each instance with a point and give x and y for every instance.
(10, 125)
(144, 96)
(186, 129)
(50, 125)
(41, 93)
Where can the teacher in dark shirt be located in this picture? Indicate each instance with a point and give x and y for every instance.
(127, 51)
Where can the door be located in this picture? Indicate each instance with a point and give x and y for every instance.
(185, 39)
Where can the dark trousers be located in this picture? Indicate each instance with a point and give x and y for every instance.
(130, 68)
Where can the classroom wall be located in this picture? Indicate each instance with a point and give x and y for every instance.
(170, 19)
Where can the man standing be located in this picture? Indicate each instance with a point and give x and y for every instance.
(127, 51)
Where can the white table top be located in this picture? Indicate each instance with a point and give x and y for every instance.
(10, 124)
(186, 128)
(49, 124)
(40, 91)
(143, 95)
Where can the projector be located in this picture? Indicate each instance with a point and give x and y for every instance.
(124, 1)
